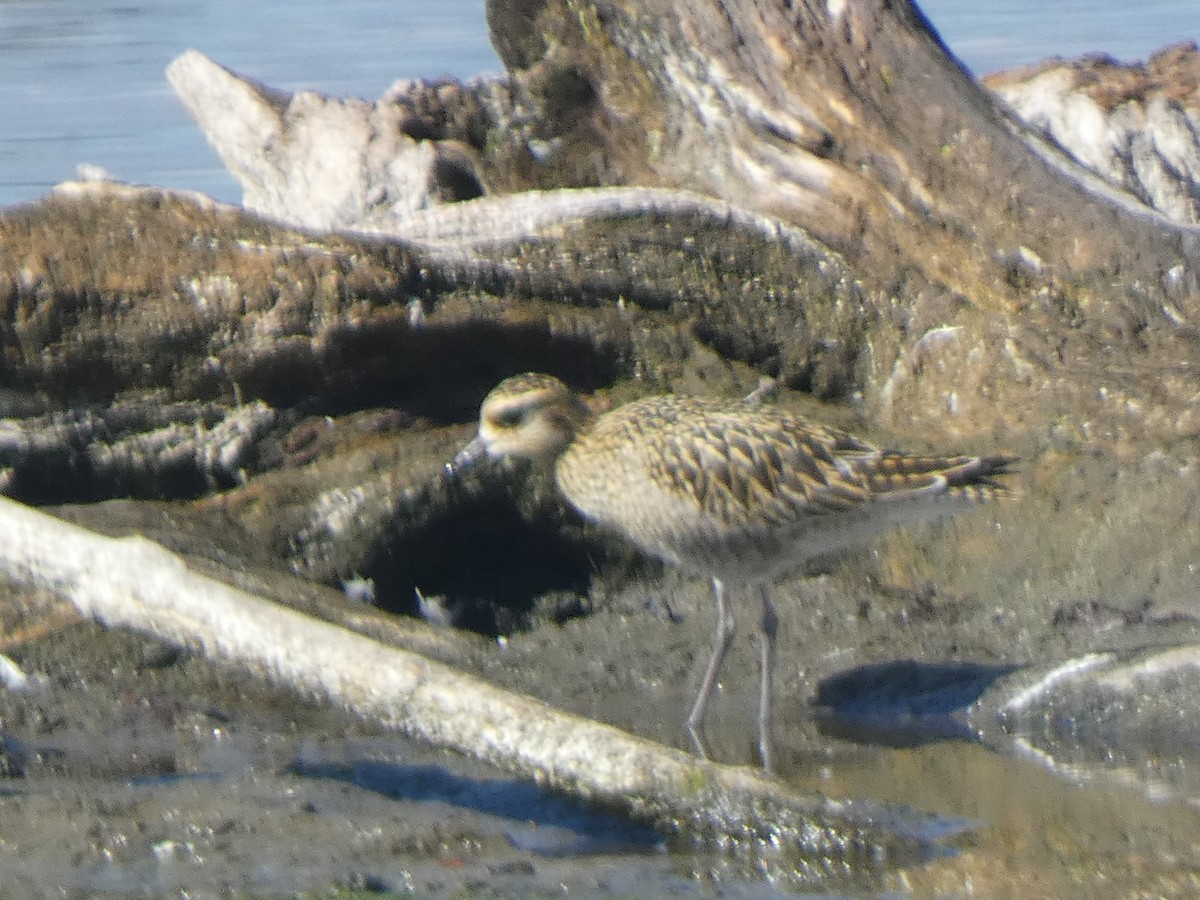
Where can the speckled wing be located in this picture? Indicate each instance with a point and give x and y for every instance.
(747, 492)
(767, 468)
(761, 468)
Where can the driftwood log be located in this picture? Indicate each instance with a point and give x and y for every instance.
(655, 196)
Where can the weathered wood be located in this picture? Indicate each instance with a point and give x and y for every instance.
(144, 446)
(1136, 125)
(987, 282)
(849, 119)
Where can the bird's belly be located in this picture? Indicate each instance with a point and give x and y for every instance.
(746, 559)
(738, 548)
(709, 548)
(752, 555)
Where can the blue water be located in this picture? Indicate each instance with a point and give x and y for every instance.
(82, 80)
(988, 35)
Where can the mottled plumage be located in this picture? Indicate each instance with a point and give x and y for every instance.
(735, 492)
(746, 494)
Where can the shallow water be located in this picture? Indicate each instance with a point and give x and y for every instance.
(86, 84)
(1040, 835)
(239, 790)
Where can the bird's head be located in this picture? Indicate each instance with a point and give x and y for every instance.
(530, 416)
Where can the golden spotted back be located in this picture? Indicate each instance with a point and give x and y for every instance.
(745, 492)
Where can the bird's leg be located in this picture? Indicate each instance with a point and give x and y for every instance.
(721, 639)
(766, 388)
(766, 661)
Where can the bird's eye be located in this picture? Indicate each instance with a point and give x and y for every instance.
(509, 418)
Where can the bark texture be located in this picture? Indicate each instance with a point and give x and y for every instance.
(848, 119)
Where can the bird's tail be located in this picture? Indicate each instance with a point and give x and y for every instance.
(976, 478)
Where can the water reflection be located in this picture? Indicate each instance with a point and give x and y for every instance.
(904, 703)
(532, 818)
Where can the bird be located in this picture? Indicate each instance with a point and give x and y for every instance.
(738, 492)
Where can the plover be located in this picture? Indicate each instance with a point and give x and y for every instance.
(736, 492)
